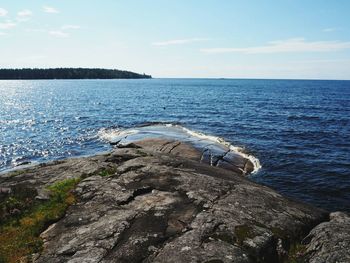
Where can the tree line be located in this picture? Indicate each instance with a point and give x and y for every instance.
(69, 73)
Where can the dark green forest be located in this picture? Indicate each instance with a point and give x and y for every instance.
(69, 73)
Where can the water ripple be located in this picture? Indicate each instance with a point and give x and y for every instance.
(299, 130)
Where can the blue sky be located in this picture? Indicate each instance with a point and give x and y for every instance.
(182, 38)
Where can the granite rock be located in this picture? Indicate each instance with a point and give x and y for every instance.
(157, 205)
(330, 241)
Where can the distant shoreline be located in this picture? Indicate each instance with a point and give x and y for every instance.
(68, 73)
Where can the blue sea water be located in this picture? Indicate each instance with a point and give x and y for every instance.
(298, 129)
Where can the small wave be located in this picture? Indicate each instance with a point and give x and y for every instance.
(255, 161)
(113, 135)
(110, 135)
(303, 117)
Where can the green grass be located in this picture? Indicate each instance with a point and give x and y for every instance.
(107, 172)
(19, 234)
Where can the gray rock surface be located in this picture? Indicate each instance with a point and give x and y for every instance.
(154, 206)
(330, 241)
(178, 140)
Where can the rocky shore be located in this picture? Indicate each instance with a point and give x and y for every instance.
(160, 200)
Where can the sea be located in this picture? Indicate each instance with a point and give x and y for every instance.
(298, 130)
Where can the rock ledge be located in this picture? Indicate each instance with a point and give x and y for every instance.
(140, 204)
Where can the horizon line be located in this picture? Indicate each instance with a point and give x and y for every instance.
(193, 78)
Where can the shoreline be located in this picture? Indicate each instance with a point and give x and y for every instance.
(107, 204)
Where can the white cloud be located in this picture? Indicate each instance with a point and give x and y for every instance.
(35, 30)
(66, 27)
(24, 15)
(178, 41)
(331, 29)
(285, 46)
(7, 25)
(51, 10)
(58, 33)
(3, 12)
(3, 33)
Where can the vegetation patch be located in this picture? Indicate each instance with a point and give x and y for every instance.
(15, 173)
(296, 253)
(226, 237)
(69, 73)
(141, 153)
(280, 233)
(107, 172)
(243, 232)
(19, 232)
(20, 199)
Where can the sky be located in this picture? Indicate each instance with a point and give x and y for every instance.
(293, 39)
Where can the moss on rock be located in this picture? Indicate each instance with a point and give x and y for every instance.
(243, 232)
(19, 233)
